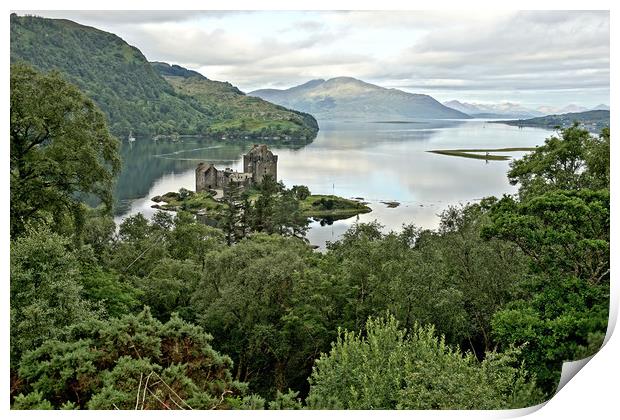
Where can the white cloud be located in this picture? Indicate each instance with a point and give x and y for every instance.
(484, 54)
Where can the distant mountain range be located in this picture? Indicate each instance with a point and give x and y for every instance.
(601, 107)
(593, 121)
(346, 98)
(500, 110)
(514, 110)
(571, 108)
(149, 98)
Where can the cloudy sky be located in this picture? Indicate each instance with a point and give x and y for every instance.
(532, 58)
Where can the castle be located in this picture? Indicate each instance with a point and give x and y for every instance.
(257, 163)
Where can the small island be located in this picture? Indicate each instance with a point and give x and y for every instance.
(218, 190)
(203, 203)
(482, 154)
(391, 204)
(332, 206)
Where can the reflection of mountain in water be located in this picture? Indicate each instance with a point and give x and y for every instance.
(146, 161)
(362, 135)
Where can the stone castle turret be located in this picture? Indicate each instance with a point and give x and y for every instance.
(259, 161)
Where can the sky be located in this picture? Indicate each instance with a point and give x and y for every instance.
(533, 58)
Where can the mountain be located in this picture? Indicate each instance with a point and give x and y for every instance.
(465, 107)
(346, 98)
(600, 107)
(134, 94)
(499, 110)
(593, 121)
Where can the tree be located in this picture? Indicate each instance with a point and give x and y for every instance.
(168, 287)
(191, 239)
(61, 150)
(233, 213)
(450, 278)
(133, 362)
(486, 273)
(392, 368)
(265, 205)
(574, 159)
(561, 222)
(99, 230)
(301, 192)
(244, 299)
(139, 246)
(277, 209)
(46, 294)
(288, 217)
(566, 235)
(597, 161)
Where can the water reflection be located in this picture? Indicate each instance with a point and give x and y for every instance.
(376, 161)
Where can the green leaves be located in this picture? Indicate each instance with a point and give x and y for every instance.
(563, 231)
(60, 149)
(243, 299)
(129, 362)
(563, 224)
(572, 161)
(46, 295)
(31, 401)
(392, 368)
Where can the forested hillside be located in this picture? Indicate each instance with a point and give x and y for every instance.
(131, 93)
(594, 121)
(235, 114)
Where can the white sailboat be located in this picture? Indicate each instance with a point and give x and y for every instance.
(130, 137)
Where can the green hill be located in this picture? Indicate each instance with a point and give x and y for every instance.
(135, 96)
(234, 113)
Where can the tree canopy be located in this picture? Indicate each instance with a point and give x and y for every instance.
(60, 149)
(390, 368)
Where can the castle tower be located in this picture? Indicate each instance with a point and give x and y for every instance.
(259, 161)
(206, 177)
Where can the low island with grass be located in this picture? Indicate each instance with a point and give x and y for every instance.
(482, 154)
(211, 205)
(203, 203)
(332, 206)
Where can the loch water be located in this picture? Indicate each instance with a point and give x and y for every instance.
(378, 162)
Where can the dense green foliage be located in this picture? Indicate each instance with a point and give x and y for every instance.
(268, 208)
(60, 148)
(132, 93)
(573, 161)
(132, 362)
(562, 223)
(174, 313)
(46, 294)
(391, 368)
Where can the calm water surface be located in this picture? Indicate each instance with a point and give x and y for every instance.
(376, 161)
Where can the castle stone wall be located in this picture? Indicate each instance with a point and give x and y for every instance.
(257, 163)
